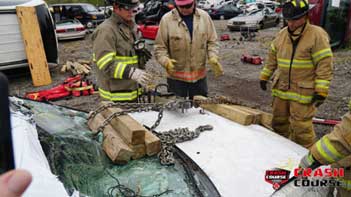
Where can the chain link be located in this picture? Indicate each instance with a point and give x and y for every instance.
(170, 138)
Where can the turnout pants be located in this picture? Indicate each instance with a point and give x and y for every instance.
(293, 120)
(186, 89)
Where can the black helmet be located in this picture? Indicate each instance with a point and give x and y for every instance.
(295, 9)
(128, 4)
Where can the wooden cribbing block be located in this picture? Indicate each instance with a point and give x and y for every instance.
(129, 129)
(152, 144)
(229, 112)
(114, 146)
(33, 44)
(256, 113)
(95, 122)
(266, 120)
(138, 151)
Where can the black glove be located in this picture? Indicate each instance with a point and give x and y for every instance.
(318, 99)
(263, 84)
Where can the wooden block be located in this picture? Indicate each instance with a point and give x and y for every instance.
(256, 113)
(114, 146)
(152, 144)
(33, 44)
(231, 113)
(138, 151)
(129, 129)
(266, 120)
(95, 122)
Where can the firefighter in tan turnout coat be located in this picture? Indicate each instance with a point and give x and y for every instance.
(300, 61)
(334, 148)
(185, 40)
(118, 69)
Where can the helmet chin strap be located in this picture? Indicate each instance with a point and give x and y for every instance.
(292, 33)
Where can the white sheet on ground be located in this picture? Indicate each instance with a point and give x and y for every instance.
(235, 157)
(29, 155)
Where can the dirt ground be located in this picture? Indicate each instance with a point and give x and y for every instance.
(240, 80)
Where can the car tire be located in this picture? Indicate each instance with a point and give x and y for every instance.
(221, 17)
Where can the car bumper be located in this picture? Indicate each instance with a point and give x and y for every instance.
(71, 35)
(252, 27)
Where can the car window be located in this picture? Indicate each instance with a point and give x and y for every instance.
(255, 12)
(76, 10)
(89, 8)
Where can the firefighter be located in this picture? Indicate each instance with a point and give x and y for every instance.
(185, 39)
(118, 69)
(334, 148)
(301, 59)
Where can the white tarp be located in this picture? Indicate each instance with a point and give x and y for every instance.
(235, 157)
(29, 155)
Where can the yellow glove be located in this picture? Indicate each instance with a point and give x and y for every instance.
(216, 67)
(170, 66)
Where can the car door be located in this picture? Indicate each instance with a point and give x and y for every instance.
(268, 18)
(233, 11)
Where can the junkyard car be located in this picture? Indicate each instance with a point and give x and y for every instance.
(254, 20)
(224, 12)
(147, 31)
(12, 53)
(86, 13)
(70, 29)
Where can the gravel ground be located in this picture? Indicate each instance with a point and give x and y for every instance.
(240, 80)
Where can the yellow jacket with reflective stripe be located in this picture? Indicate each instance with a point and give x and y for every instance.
(311, 69)
(114, 55)
(173, 41)
(336, 145)
(335, 148)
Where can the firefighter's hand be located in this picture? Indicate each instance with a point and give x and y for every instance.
(170, 66)
(263, 85)
(142, 77)
(318, 99)
(14, 183)
(308, 161)
(216, 67)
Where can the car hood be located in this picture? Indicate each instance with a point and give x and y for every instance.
(246, 19)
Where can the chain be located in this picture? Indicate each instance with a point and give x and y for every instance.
(124, 106)
(170, 138)
(132, 109)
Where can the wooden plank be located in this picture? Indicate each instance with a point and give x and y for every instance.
(129, 129)
(256, 113)
(138, 151)
(266, 120)
(230, 113)
(33, 44)
(114, 146)
(152, 144)
(95, 122)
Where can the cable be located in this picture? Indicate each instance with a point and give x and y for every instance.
(127, 192)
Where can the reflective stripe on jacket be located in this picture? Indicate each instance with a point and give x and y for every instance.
(114, 55)
(311, 69)
(173, 41)
(336, 145)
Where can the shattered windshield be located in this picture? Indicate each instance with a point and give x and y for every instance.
(76, 156)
